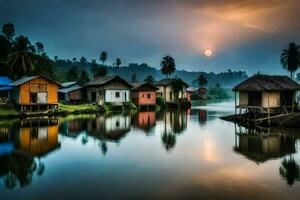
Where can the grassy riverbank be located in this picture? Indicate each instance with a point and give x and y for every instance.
(8, 111)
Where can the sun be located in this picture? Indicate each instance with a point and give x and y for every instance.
(208, 52)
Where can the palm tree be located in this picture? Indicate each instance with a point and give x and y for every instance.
(167, 66)
(177, 86)
(20, 60)
(103, 57)
(118, 62)
(9, 31)
(290, 58)
(39, 47)
(201, 80)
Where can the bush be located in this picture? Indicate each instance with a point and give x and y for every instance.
(161, 102)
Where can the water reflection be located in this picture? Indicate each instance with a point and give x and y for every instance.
(290, 170)
(261, 145)
(172, 124)
(145, 121)
(23, 148)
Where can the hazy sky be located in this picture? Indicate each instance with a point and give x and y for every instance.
(243, 35)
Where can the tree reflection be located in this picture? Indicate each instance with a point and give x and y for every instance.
(173, 124)
(289, 170)
(18, 167)
(103, 147)
(169, 140)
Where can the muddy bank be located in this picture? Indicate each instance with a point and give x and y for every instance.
(286, 121)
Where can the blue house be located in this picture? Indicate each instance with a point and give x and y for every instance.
(5, 87)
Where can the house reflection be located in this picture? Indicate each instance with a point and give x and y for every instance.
(23, 148)
(73, 128)
(172, 124)
(109, 127)
(261, 145)
(144, 120)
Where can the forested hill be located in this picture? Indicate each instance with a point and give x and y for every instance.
(141, 71)
(226, 79)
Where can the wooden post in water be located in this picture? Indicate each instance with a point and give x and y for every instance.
(235, 103)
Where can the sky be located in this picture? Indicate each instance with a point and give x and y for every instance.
(246, 35)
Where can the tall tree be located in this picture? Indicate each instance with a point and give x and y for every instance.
(290, 58)
(133, 78)
(118, 62)
(84, 77)
(9, 31)
(94, 67)
(20, 60)
(39, 47)
(149, 79)
(177, 86)
(83, 61)
(167, 66)
(202, 81)
(74, 59)
(103, 57)
(72, 74)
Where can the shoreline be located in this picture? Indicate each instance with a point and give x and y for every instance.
(290, 120)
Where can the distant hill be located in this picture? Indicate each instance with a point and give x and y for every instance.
(226, 79)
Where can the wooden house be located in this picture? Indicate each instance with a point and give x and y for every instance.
(108, 89)
(35, 93)
(5, 89)
(201, 91)
(266, 94)
(143, 95)
(71, 92)
(165, 90)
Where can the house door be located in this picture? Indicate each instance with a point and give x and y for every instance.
(42, 97)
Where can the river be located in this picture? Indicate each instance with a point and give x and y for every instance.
(174, 154)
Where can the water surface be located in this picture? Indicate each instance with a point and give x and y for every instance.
(147, 155)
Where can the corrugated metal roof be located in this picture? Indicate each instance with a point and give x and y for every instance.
(5, 80)
(70, 89)
(4, 88)
(29, 78)
(267, 83)
(67, 84)
(103, 80)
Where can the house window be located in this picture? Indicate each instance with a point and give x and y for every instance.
(171, 95)
(33, 97)
(148, 95)
(125, 96)
(117, 94)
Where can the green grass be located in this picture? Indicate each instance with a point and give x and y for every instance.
(82, 108)
(8, 111)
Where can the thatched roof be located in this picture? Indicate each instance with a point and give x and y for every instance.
(267, 83)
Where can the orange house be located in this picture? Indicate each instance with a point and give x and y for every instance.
(35, 93)
(143, 94)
